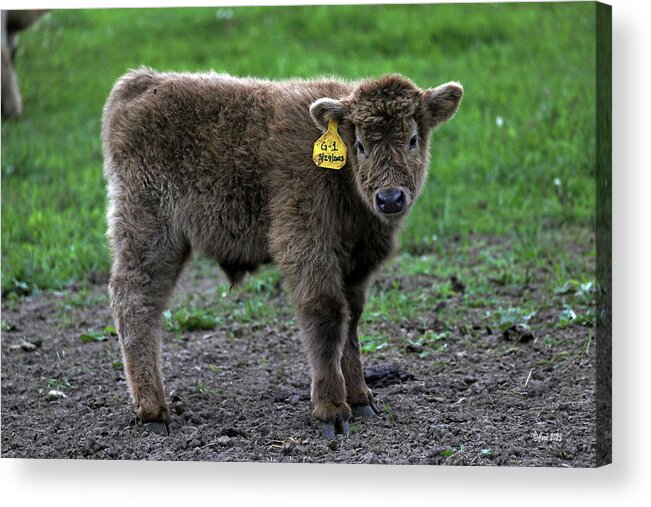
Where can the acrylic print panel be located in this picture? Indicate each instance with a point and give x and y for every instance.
(485, 339)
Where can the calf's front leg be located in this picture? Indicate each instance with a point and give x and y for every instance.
(311, 272)
(324, 323)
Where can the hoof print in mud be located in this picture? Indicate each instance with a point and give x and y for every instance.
(384, 375)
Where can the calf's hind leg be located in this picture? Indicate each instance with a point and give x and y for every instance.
(143, 275)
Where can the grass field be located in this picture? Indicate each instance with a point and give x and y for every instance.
(517, 162)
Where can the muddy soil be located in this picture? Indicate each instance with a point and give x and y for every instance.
(241, 392)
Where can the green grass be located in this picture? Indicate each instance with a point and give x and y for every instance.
(517, 160)
(414, 305)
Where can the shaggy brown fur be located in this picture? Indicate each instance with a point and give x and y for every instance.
(12, 23)
(223, 166)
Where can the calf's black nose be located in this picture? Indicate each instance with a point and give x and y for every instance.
(391, 200)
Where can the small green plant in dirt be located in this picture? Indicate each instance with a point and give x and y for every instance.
(401, 305)
(69, 303)
(583, 292)
(206, 390)
(506, 318)
(253, 308)
(98, 336)
(412, 265)
(266, 281)
(190, 319)
(500, 270)
(260, 299)
(12, 300)
(7, 325)
(81, 298)
(389, 412)
(476, 299)
(448, 452)
(555, 361)
(393, 305)
(529, 251)
(369, 344)
(430, 343)
(568, 317)
(113, 400)
(550, 341)
(355, 428)
(57, 384)
(445, 290)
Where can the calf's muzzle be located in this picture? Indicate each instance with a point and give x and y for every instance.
(391, 200)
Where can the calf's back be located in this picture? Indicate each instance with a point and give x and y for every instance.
(218, 157)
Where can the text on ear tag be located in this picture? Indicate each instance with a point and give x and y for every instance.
(330, 149)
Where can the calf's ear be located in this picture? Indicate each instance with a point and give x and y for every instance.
(325, 109)
(442, 102)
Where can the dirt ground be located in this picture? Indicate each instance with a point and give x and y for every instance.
(241, 393)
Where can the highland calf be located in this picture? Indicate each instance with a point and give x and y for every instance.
(224, 166)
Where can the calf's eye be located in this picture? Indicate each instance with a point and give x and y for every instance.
(360, 147)
(413, 142)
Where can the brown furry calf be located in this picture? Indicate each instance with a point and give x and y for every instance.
(223, 166)
(12, 23)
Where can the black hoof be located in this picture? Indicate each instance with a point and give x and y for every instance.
(365, 410)
(330, 430)
(160, 428)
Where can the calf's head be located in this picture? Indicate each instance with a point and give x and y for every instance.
(387, 123)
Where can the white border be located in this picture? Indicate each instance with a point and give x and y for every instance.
(101, 483)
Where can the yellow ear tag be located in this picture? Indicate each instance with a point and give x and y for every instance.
(330, 149)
